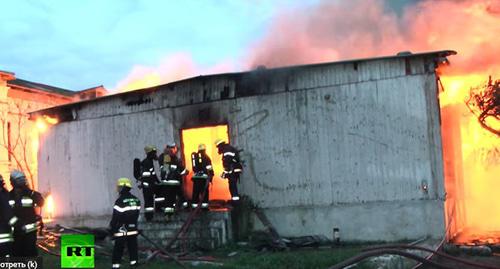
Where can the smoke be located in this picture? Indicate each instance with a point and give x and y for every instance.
(333, 31)
(173, 67)
(336, 30)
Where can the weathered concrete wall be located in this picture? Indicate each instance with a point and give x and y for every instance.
(81, 160)
(346, 145)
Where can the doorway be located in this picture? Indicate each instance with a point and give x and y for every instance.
(190, 139)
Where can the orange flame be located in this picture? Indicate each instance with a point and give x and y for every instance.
(51, 120)
(49, 207)
(41, 125)
(473, 204)
(191, 138)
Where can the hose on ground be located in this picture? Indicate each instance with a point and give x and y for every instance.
(185, 227)
(380, 252)
(399, 246)
(162, 250)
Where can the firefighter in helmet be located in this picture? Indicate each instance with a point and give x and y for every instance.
(123, 224)
(232, 166)
(172, 171)
(148, 181)
(7, 220)
(23, 201)
(203, 174)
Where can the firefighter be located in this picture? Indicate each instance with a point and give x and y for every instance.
(203, 174)
(172, 171)
(123, 224)
(23, 200)
(148, 181)
(232, 166)
(7, 220)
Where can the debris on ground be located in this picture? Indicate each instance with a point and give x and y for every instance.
(262, 241)
(50, 242)
(276, 242)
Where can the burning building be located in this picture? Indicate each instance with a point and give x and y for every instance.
(19, 142)
(354, 145)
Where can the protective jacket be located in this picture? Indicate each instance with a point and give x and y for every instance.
(23, 202)
(148, 174)
(123, 226)
(172, 169)
(230, 159)
(125, 214)
(202, 165)
(7, 219)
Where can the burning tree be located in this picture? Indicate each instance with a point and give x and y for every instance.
(484, 103)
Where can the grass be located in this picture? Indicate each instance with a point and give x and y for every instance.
(245, 258)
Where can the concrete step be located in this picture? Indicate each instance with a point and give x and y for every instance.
(209, 230)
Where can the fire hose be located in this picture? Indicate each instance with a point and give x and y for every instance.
(380, 252)
(182, 231)
(398, 246)
(448, 227)
(162, 249)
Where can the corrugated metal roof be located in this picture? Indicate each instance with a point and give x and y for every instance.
(440, 53)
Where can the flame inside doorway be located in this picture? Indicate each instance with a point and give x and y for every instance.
(191, 138)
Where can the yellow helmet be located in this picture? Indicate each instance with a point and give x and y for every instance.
(124, 182)
(219, 141)
(202, 147)
(149, 148)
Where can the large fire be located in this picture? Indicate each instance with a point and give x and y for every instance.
(336, 30)
(472, 165)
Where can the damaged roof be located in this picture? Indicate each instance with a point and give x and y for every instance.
(405, 54)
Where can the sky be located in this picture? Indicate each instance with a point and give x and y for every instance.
(80, 44)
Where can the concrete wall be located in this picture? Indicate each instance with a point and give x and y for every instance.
(345, 145)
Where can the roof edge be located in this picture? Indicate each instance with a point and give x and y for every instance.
(439, 53)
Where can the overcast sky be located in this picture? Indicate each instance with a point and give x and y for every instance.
(76, 44)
